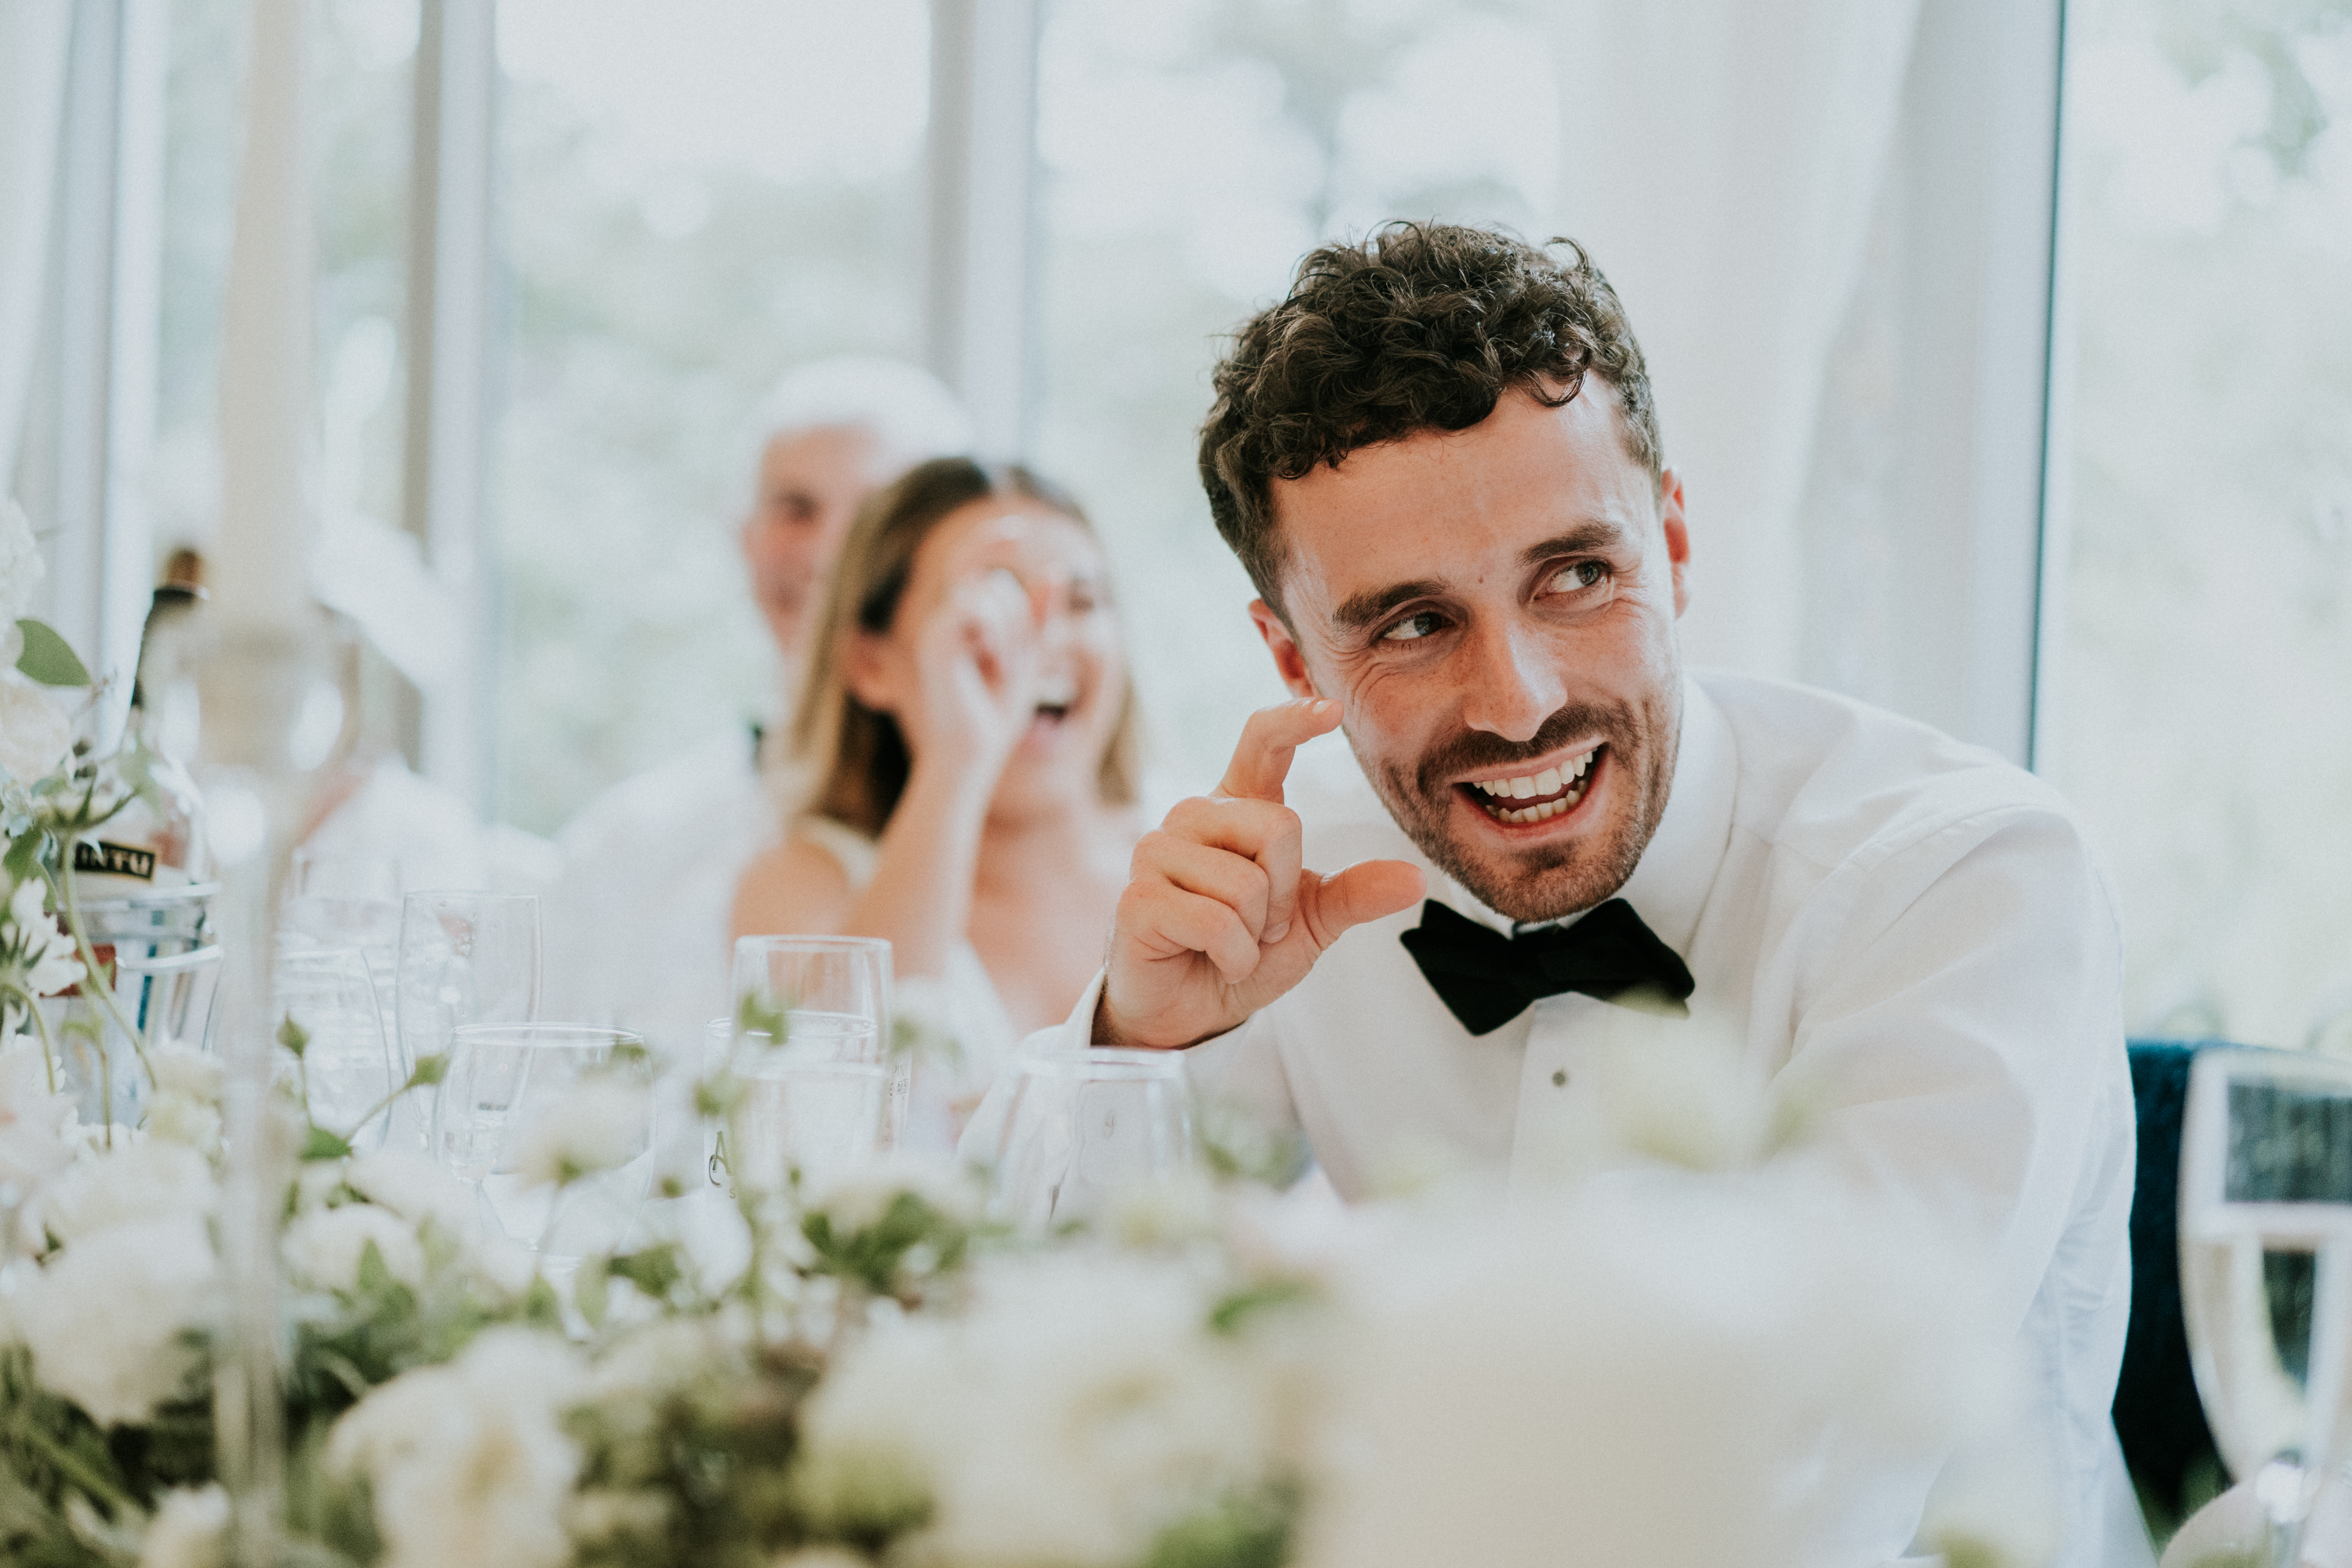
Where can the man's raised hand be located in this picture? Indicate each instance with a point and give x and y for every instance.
(1219, 918)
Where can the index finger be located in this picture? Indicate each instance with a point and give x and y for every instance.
(1269, 740)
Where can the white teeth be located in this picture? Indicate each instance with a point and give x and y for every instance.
(1522, 787)
(1548, 781)
(1550, 808)
(1583, 763)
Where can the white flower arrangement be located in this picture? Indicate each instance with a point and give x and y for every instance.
(1702, 1348)
(110, 1319)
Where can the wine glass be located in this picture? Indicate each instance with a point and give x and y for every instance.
(347, 1068)
(1081, 1125)
(464, 958)
(2266, 1268)
(819, 1092)
(553, 1124)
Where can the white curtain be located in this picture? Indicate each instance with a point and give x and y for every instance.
(1721, 160)
(34, 38)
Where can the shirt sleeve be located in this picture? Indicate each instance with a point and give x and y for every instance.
(1963, 1041)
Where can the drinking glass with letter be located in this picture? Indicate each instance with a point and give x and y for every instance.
(2266, 1269)
(819, 1091)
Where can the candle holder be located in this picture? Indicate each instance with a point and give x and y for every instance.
(272, 717)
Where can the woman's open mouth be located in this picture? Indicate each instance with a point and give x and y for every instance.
(1535, 797)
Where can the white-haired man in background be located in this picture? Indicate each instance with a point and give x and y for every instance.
(637, 928)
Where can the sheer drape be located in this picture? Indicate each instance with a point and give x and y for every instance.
(1721, 162)
(34, 36)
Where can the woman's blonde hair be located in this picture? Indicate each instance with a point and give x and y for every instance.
(859, 757)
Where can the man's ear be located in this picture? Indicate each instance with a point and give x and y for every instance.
(1678, 530)
(1288, 662)
(866, 673)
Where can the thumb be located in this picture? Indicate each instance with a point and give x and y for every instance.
(1364, 892)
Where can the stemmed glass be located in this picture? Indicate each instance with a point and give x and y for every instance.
(553, 1125)
(347, 900)
(347, 1070)
(1082, 1125)
(464, 958)
(2266, 1269)
(812, 1027)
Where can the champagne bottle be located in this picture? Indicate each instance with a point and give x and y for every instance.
(156, 841)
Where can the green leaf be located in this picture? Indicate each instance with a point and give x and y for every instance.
(24, 855)
(1240, 1309)
(756, 1016)
(293, 1036)
(589, 1293)
(375, 1275)
(430, 1070)
(541, 1307)
(322, 1145)
(653, 1271)
(49, 657)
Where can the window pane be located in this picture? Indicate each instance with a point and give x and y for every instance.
(688, 210)
(1194, 151)
(2204, 717)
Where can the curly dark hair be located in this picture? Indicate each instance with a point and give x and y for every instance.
(1418, 327)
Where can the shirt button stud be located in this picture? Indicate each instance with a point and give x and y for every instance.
(1559, 1078)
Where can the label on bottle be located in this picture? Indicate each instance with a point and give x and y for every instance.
(114, 859)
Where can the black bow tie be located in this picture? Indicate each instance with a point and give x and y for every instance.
(1489, 979)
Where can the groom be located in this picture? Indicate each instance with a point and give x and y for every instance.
(1440, 463)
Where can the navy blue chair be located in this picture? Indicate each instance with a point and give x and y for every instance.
(2158, 1418)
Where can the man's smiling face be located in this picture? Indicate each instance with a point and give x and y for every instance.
(1495, 607)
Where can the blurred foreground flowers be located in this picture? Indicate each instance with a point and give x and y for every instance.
(1716, 1356)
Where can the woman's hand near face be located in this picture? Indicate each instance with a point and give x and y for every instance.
(980, 655)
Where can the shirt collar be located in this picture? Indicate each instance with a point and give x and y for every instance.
(1669, 888)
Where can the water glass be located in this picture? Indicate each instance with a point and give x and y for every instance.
(813, 1024)
(1084, 1124)
(348, 1071)
(2266, 1269)
(809, 1109)
(464, 958)
(553, 1124)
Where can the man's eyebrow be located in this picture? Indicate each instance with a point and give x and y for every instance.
(1360, 610)
(1581, 539)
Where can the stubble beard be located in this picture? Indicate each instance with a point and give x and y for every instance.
(1547, 881)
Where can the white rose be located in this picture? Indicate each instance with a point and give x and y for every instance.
(1081, 1408)
(414, 1187)
(858, 1196)
(468, 1463)
(323, 1248)
(36, 734)
(603, 1124)
(182, 1069)
(192, 1123)
(1705, 1329)
(21, 569)
(50, 964)
(190, 1530)
(106, 1318)
(133, 1183)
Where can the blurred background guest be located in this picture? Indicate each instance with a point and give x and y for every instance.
(968, 734)
(637, 927)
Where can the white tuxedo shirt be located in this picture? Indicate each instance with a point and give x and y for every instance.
(1918, 926)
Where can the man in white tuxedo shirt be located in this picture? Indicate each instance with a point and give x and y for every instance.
(1439, 461)
(637, 928)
